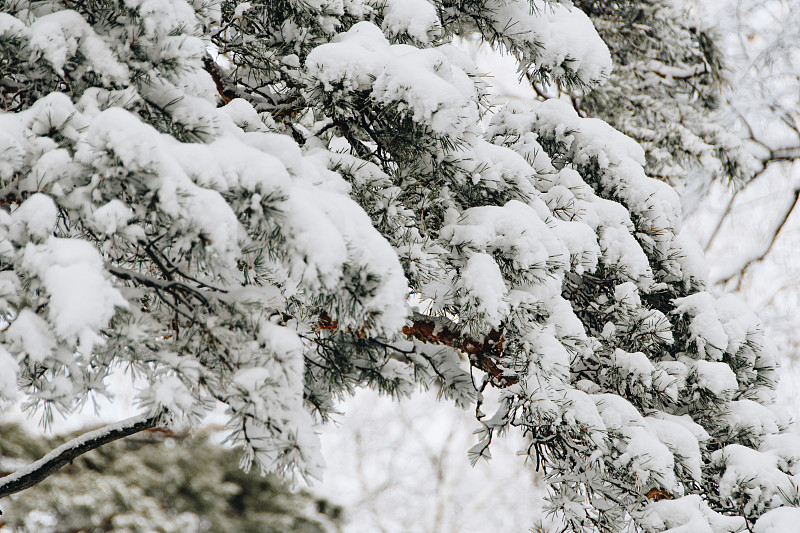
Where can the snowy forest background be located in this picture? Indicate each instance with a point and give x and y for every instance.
(402, 466)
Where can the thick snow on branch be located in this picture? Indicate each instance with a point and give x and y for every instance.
(251, 233)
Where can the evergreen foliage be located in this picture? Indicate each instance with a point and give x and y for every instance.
(666, 91)
(241, 203)
(156, 482)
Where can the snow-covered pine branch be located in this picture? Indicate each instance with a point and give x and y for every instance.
(667, 91)
(251, 231)
(35, 472)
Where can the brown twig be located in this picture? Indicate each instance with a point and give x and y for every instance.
(210, 66)
(483, 355)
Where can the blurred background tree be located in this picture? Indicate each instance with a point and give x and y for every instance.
(159, 482)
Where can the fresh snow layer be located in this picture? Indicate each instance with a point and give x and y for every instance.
(416, 18)
(421, 82)
(552, 37)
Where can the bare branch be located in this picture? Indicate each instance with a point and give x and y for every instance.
(789, 153)
(774, 155)
(169, 286)
(741, 271)
(35, 472)
(722, 219)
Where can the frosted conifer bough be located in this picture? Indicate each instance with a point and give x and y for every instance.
(237, 202)
(664, 91)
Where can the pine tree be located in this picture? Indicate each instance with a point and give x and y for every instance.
(267, 205)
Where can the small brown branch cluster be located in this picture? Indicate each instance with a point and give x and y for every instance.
(482, 354)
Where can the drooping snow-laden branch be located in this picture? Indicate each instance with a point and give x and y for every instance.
(37, 471)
